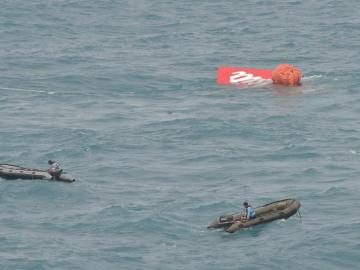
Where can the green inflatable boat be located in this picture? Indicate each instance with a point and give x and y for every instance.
(276, 210)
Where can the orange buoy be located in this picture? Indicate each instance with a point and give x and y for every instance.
(285, 74)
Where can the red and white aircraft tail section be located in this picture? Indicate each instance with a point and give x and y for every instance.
(244, 76)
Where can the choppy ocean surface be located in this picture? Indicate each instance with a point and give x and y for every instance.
(123, 95)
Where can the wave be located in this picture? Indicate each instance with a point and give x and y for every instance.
(28, 90)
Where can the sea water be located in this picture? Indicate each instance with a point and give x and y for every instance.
(123, 94)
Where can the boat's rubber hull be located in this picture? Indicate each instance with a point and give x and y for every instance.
(277, 210)
(12, 172)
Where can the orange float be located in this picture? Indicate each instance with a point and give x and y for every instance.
(285, 74)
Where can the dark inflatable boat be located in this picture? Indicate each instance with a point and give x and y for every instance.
(16, 172)
(276, 210)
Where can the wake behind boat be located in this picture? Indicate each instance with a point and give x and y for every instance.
(12, 172)
(266, 213)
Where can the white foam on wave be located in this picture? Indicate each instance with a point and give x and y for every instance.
(310, 90)
(27, 90)
(312, 77)
(308, 87)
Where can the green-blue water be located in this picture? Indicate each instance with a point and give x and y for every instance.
(123, 95)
